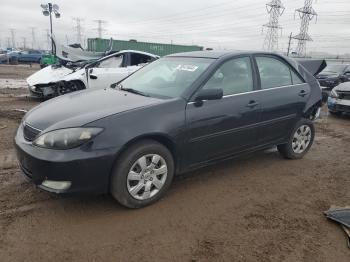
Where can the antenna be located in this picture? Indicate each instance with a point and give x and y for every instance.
(306, 14)
(275, 8)
(100, 28)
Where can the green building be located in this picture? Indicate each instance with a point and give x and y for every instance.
(100, 45)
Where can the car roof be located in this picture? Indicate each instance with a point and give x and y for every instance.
(129, 51)
(215, 54)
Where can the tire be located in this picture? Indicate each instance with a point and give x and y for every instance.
(128, 167)
(334, 113)
(295, 148)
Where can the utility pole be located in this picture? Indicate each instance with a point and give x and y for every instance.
(67, 40)
(24, 42)
(289, 42)
(78, 29)
(306, 14)
(8, 42)
(100, 28)
(12, 31)
(33, 38)
(275, 9)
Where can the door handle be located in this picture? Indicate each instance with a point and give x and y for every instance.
(252, 104)
(303, 93)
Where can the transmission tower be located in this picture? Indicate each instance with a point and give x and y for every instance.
(13, 38)
(306, 14)
(275, 9)
(78, 29)
(100, 28)
(33, 38)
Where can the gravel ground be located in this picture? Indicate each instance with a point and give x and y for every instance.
(254, 208)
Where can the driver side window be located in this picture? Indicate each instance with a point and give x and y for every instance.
(112, 62)
(234, 77)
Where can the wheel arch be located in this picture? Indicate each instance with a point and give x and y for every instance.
(161, 138)
(311, 111)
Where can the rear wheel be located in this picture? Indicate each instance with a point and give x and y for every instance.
(300, 140)
(142, 174)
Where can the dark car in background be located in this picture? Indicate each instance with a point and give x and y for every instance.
(333, 75)
(178, 113)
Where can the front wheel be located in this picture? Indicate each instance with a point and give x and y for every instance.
(300, 141)
(142, 174)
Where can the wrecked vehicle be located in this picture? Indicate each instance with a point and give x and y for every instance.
(181, 112)
(67, 77)
(339, 99)
(333, 75)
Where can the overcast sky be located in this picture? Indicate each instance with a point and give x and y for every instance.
(218, 24)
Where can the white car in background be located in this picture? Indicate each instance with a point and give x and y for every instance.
(68, 77)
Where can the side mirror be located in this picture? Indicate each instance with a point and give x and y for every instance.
(210, 94)
(93, 76)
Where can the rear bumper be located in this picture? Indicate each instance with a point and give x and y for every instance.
(87, 171)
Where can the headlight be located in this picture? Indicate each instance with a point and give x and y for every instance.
(66, 138)
(334, 94)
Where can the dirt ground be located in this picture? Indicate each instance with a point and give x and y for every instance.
(255, 208)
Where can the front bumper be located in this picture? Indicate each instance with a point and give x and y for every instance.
(85, 169)
(338, 105)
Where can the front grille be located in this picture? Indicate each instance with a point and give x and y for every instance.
(344, 95)
(29, 132)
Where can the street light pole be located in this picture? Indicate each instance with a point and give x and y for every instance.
(48, 9)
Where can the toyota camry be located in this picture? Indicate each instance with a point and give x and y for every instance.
(179, 113)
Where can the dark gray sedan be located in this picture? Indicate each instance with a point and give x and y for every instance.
(181, 112)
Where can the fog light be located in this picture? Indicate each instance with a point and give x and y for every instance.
(57, 185)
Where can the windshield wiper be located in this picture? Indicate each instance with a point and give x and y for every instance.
(134, 91)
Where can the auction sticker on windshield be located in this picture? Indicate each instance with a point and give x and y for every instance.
(190, 68)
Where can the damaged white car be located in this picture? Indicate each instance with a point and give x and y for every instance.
(68, 77)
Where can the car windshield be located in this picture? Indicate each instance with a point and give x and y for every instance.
(167, 77)
(339, 69)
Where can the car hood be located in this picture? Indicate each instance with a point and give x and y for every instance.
(48, 75)
(80, 108)
(343, 87)
(325, 75)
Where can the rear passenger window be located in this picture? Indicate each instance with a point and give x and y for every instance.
(234, 77)
(273, 73)
(295, 78)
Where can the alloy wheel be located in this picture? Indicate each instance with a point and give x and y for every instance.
(147, 176)
(301, 139)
